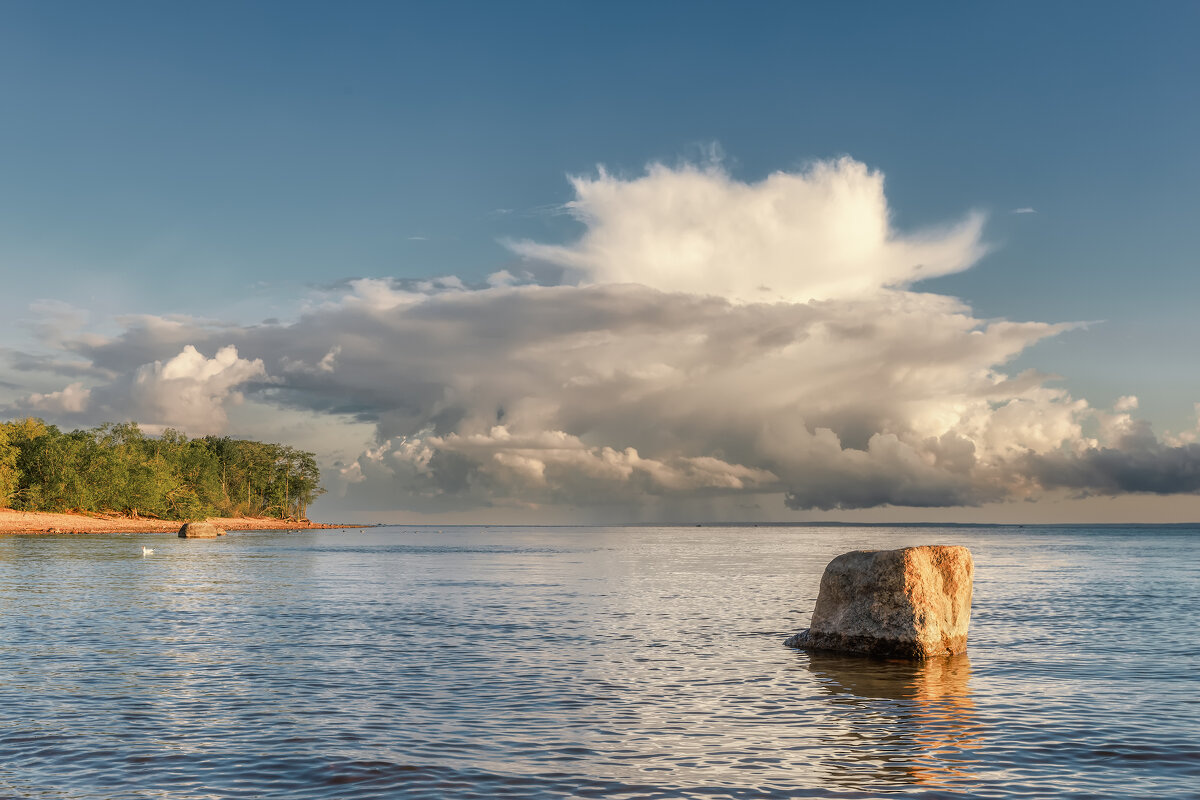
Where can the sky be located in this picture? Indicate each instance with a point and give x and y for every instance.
(546, 262)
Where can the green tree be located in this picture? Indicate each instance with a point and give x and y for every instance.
(116, 467)
(21, 434)
(8, 467)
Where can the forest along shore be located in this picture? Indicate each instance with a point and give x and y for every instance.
(116, 469)
(45, 522)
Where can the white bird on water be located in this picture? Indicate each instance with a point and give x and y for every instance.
(147, 550)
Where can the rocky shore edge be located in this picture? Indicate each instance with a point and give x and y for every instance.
(48, 523)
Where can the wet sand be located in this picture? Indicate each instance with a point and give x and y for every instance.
(40, 522)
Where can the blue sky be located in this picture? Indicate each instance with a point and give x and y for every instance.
(221, 160)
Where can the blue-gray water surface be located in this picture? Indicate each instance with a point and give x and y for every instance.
(585, 662)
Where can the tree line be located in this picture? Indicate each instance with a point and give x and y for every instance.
(117, 468)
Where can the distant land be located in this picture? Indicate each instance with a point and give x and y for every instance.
(16, 522)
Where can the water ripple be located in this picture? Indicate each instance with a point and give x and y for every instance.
(555, 663)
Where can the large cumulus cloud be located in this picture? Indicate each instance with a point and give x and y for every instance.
(711, 338)
(811, 235)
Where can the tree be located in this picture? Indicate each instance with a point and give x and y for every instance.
(116, 467)
(8, 467)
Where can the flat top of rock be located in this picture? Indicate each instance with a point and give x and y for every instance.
(955, 549)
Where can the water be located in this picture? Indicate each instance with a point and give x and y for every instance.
(585, 662)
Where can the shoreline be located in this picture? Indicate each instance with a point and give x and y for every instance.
(40, 522)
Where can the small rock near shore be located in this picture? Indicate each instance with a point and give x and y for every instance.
(200, 530)
(912, 603)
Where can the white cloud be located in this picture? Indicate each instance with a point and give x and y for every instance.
(1024, 210)
(1127, 403)
(816, 235)
(666, 374)
(328, 361)
(581, 395)
(71, 400)
(191, 391)
(501, 278)
(327, 364)
(545, 465)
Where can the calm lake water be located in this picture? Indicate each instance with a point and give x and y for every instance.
(585, 662)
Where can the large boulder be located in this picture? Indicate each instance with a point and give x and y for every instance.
(913, 603)
(200, 530)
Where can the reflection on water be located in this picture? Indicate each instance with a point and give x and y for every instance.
(907, 721)
(623, 663)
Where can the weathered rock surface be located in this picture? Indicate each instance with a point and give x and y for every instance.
(200, 530)
(913, 603)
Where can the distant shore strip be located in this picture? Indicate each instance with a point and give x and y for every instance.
(24, 522)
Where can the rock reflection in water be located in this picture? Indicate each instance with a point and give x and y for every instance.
(910, 722)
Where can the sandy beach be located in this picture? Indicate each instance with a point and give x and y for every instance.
(40, 522)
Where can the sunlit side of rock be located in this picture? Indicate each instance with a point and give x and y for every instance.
(913, 603)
